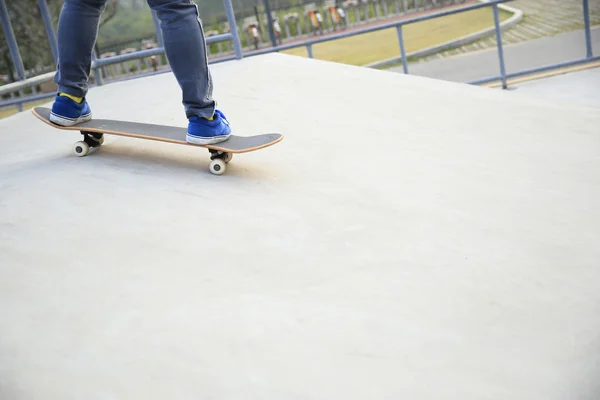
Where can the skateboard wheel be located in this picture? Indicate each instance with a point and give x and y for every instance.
(217, 166)
(227, 157)
(81, 148)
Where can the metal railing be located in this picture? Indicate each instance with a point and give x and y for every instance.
(308, 44)
(503, 76)
(396, 24)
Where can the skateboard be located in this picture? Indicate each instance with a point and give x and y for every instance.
(220, 153)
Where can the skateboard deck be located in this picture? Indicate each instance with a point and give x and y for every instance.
(220, 153)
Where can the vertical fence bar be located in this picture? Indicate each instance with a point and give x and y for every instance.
(13, 47)
(159, 37)
(309, 50)
(97, 70)
(237, 45)
(49, 29)
(270, 22)
(586, 22)
(499, 43)
(402, 49)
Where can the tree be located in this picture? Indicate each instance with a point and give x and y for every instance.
(28, 26)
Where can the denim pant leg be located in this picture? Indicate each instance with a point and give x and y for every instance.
(77, 32)
(183, 37)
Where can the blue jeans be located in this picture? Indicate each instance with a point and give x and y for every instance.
(184, 43)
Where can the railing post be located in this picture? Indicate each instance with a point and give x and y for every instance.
(159, 36)
(402, 49)
(586, 22)
(13, 47)
(309, 50)
(237, 45)
(499, 43)
(97, 70)
(270, 22)
(49, 29)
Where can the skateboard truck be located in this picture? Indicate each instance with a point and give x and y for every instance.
(90, 141)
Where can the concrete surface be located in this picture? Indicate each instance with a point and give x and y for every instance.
(576, 87)
(440, 244)
(517, 57)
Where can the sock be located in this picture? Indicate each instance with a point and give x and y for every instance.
(211, 118)
(75, 99)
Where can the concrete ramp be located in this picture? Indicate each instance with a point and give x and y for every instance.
(409, 239)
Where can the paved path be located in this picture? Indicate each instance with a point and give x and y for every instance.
(441, 244)
(529, 54)
(541, 18)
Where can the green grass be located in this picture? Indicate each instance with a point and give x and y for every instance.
(381, 45)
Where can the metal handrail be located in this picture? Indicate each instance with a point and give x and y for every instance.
(18, 85)
(135, 55)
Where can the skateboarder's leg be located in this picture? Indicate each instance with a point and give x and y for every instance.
(77, 31)
(185, 48)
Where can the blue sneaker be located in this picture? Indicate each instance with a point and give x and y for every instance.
(204, 131)
(68, 112)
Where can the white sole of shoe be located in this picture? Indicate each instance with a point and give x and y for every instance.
(63, 121)
(212, 140)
